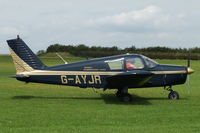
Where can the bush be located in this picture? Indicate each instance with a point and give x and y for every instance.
(98, 51)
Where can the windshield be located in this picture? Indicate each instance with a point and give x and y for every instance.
(149, 62)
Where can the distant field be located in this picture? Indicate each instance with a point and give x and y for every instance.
(39, 108)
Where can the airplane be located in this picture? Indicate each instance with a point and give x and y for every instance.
(121, 72)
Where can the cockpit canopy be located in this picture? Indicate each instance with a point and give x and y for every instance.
(131, 62)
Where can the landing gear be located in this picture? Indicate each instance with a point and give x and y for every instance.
(123, 95)
(119, 93)
(173, 94)
(126, 98)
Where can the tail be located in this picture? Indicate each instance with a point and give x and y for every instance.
(24, 59)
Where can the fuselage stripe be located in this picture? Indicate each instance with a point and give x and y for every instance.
(44, 72)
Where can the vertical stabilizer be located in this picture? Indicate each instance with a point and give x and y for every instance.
(24, 59)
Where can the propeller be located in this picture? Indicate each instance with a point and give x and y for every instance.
(188, 61)
(189, 71)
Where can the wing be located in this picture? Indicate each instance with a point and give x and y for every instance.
(135, 78)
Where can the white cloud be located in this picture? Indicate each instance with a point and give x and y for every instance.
(107, 23)
(129, 17)
(150, 19)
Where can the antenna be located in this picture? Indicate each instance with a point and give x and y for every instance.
(61, 58)
(17, 36)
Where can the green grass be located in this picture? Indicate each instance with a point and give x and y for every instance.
(60, 109)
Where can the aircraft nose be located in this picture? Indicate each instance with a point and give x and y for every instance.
(190, 70)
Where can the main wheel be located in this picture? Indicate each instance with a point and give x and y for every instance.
(126, 98)
(173, 95)
(119, 93)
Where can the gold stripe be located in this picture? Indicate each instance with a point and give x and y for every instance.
(169, 72)
(44, 72)
(20, 65)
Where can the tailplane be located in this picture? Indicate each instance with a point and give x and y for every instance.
(23, 57)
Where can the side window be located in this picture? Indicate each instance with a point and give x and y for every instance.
(116, 64)
(134, 63)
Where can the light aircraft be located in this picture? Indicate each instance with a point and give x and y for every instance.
(121, 72)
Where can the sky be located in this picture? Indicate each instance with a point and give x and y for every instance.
(122, 23)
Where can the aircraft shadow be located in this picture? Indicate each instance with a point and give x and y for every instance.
(43, 97)
(108, 99)
(136, 100)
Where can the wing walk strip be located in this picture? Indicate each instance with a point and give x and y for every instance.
(44, 72)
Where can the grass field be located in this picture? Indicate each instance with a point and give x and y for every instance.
(39, 108)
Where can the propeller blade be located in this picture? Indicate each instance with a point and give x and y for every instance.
(189, 71)
(188, 87)
(188, 61)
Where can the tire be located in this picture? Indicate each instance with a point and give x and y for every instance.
(118, 94)
(126, 98)
(173, 95)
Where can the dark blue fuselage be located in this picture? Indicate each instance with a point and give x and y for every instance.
(95, 73)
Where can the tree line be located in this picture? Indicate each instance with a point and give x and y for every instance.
(98, 51)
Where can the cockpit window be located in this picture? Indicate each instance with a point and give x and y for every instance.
(117, 64)
(149, 62)
(134, 63)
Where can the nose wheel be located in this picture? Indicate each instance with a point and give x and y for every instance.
(173, 95)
